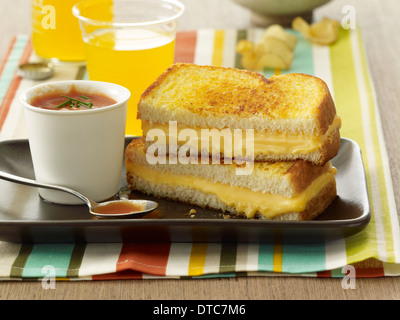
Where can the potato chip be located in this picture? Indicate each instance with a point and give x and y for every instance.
(324, 32)
(274, 50)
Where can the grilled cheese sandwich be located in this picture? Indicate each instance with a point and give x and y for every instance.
(295, 190)
(293, 116)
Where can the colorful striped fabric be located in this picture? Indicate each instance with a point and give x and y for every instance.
(374, 252)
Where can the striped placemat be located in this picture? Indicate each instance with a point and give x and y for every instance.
(374, 252)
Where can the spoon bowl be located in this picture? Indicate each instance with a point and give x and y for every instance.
(109, 209)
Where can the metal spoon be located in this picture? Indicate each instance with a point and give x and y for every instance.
(146, 205)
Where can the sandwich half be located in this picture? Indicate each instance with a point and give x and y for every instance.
(292, 190)
(292, 116)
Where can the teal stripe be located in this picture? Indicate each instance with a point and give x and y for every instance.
(301, 258)
(266, 256)
(303, 61)
(12, 64)
(55, 255)
(303, 58)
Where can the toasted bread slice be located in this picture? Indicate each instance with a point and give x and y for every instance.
(293, 116)
(296, 190)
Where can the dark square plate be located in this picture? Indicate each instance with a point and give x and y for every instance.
(24, 217)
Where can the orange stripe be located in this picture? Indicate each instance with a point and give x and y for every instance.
(185, 46)
(324, 274)
(123, 275)
(12, 89)
(369, 268)
(149, 258)
(370, 273)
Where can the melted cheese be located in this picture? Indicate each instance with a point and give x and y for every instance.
(243, 199)
(264, 143)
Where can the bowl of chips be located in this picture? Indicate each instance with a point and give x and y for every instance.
(267, 12)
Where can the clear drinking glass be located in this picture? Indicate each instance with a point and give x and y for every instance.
(130, 43)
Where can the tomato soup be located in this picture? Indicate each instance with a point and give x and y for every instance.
(119, 208)
(72, 100)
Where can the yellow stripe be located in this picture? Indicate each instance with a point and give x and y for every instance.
(277, 262)
(218, 51)
(62, 279)
(278, 71)
(383, 195)
(197, 259)
(348, 106)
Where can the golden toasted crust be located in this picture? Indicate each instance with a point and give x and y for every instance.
(319, 203)
(216, 92)
(314, 207)
(286, 177)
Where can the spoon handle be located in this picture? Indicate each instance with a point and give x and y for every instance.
(34, 183)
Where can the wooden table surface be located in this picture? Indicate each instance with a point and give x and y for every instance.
(380, 23)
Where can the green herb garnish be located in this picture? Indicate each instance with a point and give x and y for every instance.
(71, 102)
(65, 103)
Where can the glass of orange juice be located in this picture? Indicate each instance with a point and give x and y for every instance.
(130, 43)
(56, 35)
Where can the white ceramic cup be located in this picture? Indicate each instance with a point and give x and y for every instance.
(82, 150)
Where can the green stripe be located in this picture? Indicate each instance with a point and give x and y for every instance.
(80, 75)
(241, 35)
(347, 100)
(377, 151)
(55, 255)
(18, 266)
(337, 273)
(76, 260)
(212, 276)
(228, 257)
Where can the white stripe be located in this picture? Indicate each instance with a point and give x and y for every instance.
(241, 257)
(204, 47)
(100, 259)
(255, 34)
(212, 262)
(335, 256)
(252, 256)
(8, 254)
(322, 65)
(229, 54)
(375, 195)
(391, 269)
(178, 259)
(335, 251)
